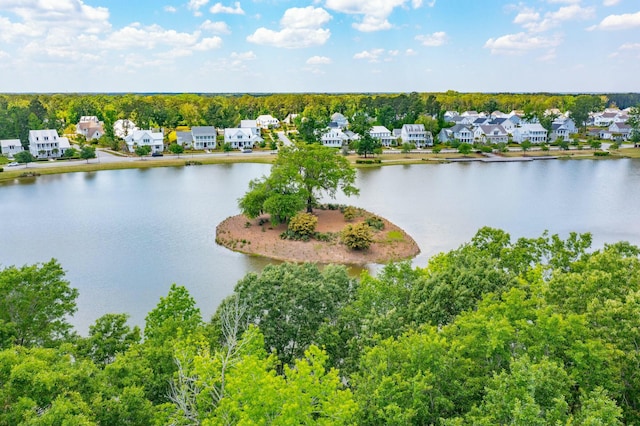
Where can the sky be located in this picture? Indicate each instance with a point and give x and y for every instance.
(252, 46)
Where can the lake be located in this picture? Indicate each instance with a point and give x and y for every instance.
(124, 236)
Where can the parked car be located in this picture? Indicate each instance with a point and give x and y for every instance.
(156, 154)
(247, 150)
(13, 164)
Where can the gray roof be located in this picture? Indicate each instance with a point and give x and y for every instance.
(184, 136)
(203, 130)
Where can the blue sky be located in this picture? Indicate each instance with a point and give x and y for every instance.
(319, 45)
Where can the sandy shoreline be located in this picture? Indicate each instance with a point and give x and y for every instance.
(245, 235)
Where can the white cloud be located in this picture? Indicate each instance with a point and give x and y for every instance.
(208, 43)
(318, 60)
(520, 43)
(245, 56)
(618, 22)
(195, 6)
(219, 8)
(374, 12)
(610, 2)
(565, 1)
(218, 27)
(433, 40)
(170, 9)
(549, 56)
(530, 19)
(630, 46)
(410, 52)
(148, 37)
(301, 27)
(377, 55)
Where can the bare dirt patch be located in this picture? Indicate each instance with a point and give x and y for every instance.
(257, 236)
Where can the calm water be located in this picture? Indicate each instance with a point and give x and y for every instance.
(124, 236)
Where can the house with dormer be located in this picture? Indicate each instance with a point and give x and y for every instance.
(242, 137)
(416, 134)
(123, 127)
(339, 120)
(90, 127)
(47, 143)
(150, 138)
(620, 131)
(533, 132)
(458, 132)
(267, 121)
(490, 134)
(382, 134)
(334, 137)
(10, 147)
(507, 125)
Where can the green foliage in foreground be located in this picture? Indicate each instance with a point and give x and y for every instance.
(534, 331)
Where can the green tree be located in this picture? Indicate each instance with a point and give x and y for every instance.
(634, 122)
(291, 302)
(357, 237)
(367, 145)
(300, 172)
(37, 301)
(526, 146)
(226, 147)
(87, 152)
(70, 152)
(142, 150)
(465, 149)
(408, 147)
(108, 337)
(176, 149)
(595, 144)
(582, 106)
(24, 157)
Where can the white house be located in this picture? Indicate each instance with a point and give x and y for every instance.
(416, 134)
(562, 128)
(122, 128)
(382, 134)
(507, 125)
(242, 137)
(620, 131)
(145, 138)
(184, 139)
(47, 143)
(533, 132)
(204, 137)
(334, 137)
(10, 147)
(90, 127)
(491, 133)
(266, 121)
(459, 132)
(604, 119)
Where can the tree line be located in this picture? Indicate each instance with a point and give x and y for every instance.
(20, 113)
(531, 331)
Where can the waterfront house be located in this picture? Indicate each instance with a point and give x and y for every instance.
(47, 144)
(10, 147)
(242, 137)
(184, 139)
(506, 124)
(491, 133)
(382, 134)
(620, 131)
(459, 131)
(204, 137)
(416, 134)
(149, 138)
(533, 132)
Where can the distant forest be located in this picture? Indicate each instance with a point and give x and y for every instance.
(20, 113)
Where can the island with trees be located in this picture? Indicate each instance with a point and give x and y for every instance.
(282, 217)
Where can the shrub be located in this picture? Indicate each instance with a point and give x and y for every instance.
(303, 224)
(369, 161)
(375, 222)
(350, 213)
(601, 153)
(357, 237)
(324, 236)
(1, 169)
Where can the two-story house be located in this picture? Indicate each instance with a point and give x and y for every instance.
(416, 134)
(90, 127)
(155, 140)
(242, 137)
(533, 132)
(47, 143)
(491, 134)
(383, 135)
(459, 132)
(204, 137)
(267, 121)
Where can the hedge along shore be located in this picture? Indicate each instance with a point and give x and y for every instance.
(258, 237)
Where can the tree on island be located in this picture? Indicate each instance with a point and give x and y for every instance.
(87, 152)
(298, 176)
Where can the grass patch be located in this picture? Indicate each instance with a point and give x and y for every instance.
(395, 235)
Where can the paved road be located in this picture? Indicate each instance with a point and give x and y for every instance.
(285, 140)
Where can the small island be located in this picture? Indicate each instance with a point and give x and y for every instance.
(281, 217)
(259, 237)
